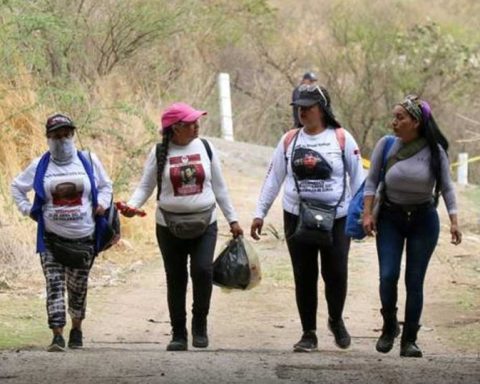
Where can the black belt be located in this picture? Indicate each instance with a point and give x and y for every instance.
(408, 208)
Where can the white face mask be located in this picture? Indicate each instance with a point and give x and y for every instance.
(62, 150)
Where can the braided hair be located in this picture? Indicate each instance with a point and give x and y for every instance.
(161, 154)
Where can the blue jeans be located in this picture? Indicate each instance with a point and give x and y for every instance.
(419, 230)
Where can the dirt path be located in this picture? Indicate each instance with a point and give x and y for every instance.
(251, 333)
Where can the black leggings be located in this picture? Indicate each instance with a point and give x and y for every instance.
(175, 253)
(334, 264)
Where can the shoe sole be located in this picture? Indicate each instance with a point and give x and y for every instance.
(55, 348)
(176, 348)
(75, 346)
(304, 350)
(200, 345)
(417, 355)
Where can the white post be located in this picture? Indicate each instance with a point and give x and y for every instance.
(462, 170)
(225, 106)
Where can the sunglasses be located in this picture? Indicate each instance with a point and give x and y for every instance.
(310, 88)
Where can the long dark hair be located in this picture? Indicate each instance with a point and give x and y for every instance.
(434, 137)
(162, 153)
(330, 119)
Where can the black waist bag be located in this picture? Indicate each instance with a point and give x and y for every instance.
(315, 223)
(188, 225)
(72, 253)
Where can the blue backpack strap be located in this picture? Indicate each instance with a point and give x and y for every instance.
(89, 169)
(390, 140)
(99, 220)
(39, 200)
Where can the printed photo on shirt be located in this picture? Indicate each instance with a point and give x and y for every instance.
(308, 164)
(186, 174)
(67, 193)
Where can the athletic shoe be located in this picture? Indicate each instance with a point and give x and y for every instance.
(307, 343)
(58, 344)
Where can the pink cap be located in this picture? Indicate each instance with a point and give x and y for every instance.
(180, 112)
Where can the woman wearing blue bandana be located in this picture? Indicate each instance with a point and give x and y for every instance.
(64, 207)
(416, 173)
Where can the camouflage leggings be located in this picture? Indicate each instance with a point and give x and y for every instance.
(57, 277)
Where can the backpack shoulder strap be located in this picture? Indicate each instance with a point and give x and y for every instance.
(340, 135)
(390, 140)
(89, 169)
(206, 144)
(289, 138)
(388, 145)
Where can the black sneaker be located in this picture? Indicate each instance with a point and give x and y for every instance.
(307, 343)
(179, 342)
(342, 337)
(75, 341)
(58, 344)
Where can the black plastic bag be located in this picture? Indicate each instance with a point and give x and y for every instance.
(231, 269)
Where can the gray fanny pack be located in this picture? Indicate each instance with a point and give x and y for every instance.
(188, 225)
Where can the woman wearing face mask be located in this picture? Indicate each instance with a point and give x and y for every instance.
(417, 171)
(314, 161)
(65, 213)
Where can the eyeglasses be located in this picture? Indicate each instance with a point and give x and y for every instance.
(310, 88)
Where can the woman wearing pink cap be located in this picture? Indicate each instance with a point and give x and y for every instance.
(187, 173)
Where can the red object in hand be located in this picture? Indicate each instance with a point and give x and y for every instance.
(122, 207)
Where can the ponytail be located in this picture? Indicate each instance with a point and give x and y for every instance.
(435, 138)
(161, 155)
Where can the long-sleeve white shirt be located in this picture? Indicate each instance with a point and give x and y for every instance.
(327, 191)
(68, 210)
(190, 182)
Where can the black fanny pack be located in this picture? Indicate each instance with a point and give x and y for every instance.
(188, 225)
(72, 253)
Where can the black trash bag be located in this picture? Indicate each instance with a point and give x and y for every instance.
(231, 269)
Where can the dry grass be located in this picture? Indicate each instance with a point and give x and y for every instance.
(20, 135)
